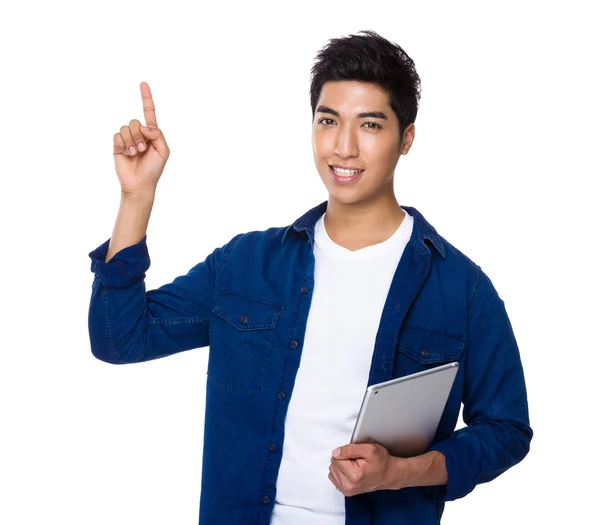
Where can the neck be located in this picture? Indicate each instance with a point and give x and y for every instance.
(363, 221)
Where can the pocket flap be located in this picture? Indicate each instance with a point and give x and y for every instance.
(246, 312)
(430, 345)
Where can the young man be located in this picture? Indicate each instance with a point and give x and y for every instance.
(301, 319)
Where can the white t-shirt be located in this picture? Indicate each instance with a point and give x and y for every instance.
(348, 298)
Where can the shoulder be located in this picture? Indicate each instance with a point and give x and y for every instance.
(447, 260)
(269, 238)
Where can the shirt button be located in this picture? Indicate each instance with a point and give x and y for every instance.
(281, 395)
(425, 353)
(243, 319)
(272, 447)
(265, 499)
(304, 289)
(294, 344)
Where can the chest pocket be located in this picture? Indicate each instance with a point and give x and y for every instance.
(421, 348)
(241, 339)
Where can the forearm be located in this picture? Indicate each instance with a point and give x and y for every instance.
(132, 221)
(128, 324)
(419, 471)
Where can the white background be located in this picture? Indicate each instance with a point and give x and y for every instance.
(503, 165)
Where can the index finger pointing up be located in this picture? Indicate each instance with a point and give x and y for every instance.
(149, 113)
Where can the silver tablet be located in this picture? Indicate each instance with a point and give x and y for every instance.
(403, 414)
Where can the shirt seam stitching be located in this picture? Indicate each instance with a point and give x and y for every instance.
(476, 291)
(109, 330)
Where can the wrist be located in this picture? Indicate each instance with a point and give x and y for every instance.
(146, 194)
(427, 469)
(418, 471)
(398, 473)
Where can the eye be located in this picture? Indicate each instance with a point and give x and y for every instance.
(376, 126)
(321, 120)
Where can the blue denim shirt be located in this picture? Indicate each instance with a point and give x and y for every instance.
(249, 300)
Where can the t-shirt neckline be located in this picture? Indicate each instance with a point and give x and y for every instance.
(328, 246)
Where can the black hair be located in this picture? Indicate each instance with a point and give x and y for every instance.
(370, 58)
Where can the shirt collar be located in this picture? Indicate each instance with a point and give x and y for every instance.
(422, 230)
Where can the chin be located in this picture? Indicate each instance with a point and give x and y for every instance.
(346, 197)
(351, 194)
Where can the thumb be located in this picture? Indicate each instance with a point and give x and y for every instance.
(155, 135)
(350, 451)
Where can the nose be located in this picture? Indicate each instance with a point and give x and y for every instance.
(346, 144)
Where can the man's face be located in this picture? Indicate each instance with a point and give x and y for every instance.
(355, 126)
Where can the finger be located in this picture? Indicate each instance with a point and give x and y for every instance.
(130, 149)
(118, 144)
(332, 479)
(350, 451)
(336, 478)
(343, 470)
(343, 484)
(148, 103)
(356, 450)
(138, 139)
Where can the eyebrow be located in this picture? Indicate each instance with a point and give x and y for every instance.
(367, 114)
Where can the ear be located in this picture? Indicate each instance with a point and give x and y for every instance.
(407, 138)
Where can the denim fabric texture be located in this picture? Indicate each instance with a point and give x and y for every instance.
(249, 301)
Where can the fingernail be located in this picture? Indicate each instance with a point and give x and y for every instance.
(132, 150)
(141, 146)
(336, 452)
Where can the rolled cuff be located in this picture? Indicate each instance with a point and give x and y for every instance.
(124, 268)
(460, 477)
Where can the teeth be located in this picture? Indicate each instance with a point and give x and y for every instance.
(345, 173)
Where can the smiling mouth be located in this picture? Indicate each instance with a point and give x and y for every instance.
(342, 172)
(345, 176)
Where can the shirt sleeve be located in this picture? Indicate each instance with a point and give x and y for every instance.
(495, 409)
(128, 324)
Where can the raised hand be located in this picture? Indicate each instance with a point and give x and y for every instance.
(140, 155)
